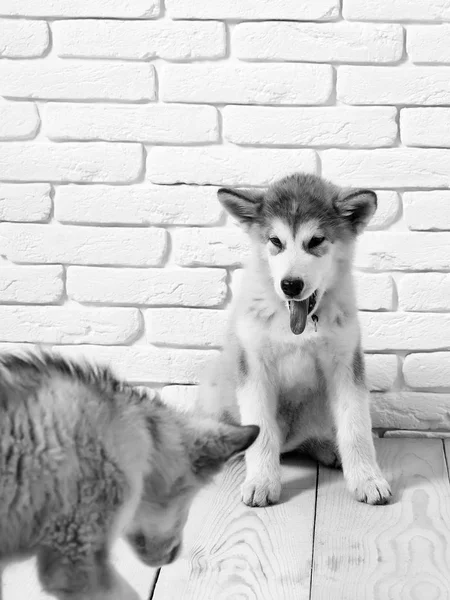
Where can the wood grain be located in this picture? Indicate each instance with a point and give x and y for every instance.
(395, 552)
(236, 552)
(20, 580)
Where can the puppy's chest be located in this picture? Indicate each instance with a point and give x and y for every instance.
(297, 370)
(301, 364)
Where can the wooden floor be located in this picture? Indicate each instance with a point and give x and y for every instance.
(318, 543)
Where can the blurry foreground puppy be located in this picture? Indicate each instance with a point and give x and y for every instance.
(292, 361)
(85, 458)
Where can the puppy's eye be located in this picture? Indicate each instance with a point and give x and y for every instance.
(276, 242)
(316, 241)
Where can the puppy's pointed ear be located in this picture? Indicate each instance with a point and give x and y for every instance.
(243, 205)
(214, 446)
(357, 207)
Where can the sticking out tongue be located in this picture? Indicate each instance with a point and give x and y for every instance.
(298, 312)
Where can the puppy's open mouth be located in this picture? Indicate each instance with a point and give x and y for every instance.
(299, 311)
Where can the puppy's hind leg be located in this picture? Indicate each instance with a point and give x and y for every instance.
(258, 406)
(324, 451)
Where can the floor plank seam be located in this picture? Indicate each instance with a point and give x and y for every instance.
(314, 534)
(155, 581)
(446, 459)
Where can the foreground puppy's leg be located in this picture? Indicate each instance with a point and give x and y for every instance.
(257, 404)
(81, 576)
(350, 406)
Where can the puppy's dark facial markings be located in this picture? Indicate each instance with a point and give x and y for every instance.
(301, 198)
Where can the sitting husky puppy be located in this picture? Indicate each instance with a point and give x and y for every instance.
(85, 458)
(292, 360)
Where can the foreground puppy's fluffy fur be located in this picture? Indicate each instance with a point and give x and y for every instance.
(292, 360)
(84, 458)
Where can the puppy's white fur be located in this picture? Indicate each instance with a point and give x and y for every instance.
(305, 391)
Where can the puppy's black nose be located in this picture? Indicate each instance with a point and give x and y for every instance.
(292, 287)
(174, 553)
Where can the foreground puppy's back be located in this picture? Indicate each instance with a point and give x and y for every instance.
(65, 431)
(85, 457)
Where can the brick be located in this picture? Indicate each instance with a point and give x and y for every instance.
(330, 126)
(400, 251)
(387, 212)
(87, 162)
(392, 168)
(381, 371)
(425, 127)
(334, 42)
(427, 210)
(23, 39)
(374, 292)
(31, 285)
(428, 44)
(393, 85)
(155, 205)
(246, 84)
(69, 325)
(254, 10)
(147, 364)
(153, 287)
(185, 326)
(77, 80)
(25, 202)
(154, 124)
(226, 165)
(139, 40)
(83, 245)
(18, 120)
(400, 433)
(431, 370)
(137, 9)
(405, 331)
(219, 247)
(411, 410)
(424, 292)
(397, 10)
(181, 397)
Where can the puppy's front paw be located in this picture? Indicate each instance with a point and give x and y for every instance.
(373, 490)
(260, 491)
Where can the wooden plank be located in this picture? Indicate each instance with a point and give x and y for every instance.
(233, 551)
(394, 552)
(20, 580)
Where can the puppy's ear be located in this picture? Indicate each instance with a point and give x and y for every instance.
(357, 207)
(243, 205)
(214, 446)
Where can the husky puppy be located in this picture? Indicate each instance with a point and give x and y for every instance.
(85, 458)
(292, 361)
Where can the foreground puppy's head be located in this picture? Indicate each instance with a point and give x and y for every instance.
(301, 225)
(189, 452)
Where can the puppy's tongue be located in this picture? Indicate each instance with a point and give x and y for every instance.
(298, 312)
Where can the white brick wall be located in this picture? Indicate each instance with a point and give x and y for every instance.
(119, 119)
